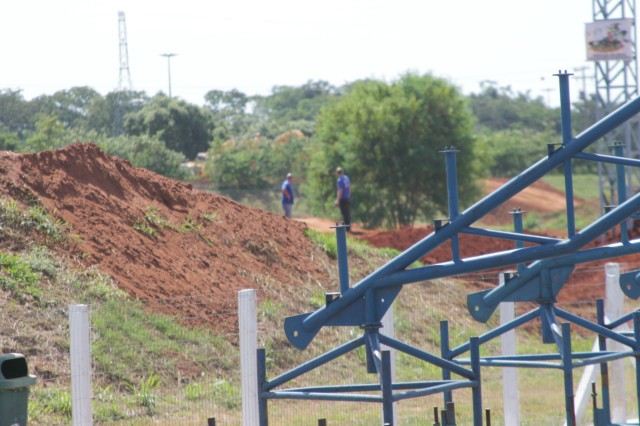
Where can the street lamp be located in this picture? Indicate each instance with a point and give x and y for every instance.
(168, 56)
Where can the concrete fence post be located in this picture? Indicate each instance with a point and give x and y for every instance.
(80, 356)
(248, 329)
(613, 309)
(510, 394)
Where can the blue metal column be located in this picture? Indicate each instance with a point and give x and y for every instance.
(518, 228)
(444, 350)
(567, 368)
(476, 391)
(343, 260)
(263, 413)
(567, 136)
(387, 395)
(636, 334)
(452, 194)
(604, 367)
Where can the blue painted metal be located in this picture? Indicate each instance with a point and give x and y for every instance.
(543, 267)
(387, 392)
(343, 259)
(567, 135)
(567, 364)
(263, 413)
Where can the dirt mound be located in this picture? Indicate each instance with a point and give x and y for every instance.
(159, 238)
(585, 284)
(539, 197)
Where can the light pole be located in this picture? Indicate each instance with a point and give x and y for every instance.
(168, 56)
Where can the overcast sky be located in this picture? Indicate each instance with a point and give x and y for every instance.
(253, 45)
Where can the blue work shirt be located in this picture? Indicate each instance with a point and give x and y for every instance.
(286, 186)
(345, 184)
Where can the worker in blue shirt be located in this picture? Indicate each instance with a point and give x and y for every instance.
(344, 196)
(287, 195)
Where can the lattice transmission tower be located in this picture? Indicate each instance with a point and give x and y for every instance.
(124, 76)
(124, 79)
(616, 80)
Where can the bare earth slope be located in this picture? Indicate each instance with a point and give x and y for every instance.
(204, 244)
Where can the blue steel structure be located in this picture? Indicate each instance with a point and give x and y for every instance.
(543, 266)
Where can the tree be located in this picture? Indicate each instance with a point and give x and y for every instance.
(48, 134)
(16, 114)
(287, 103)
(387, 138)
(509, 152)
(498, 108)
(183, 127)
(146, 152)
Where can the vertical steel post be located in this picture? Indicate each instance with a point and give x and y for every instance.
(444, 350)
(567, 368)
(476, 392)
(604, 367)
(636, 334)
(618, 149)
(452, 194)
(387, 393)
(262, 379)
(567, 136)
(518, 228)
(343, 261)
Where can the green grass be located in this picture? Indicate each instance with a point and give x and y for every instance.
(584, 186)
(34, 218)
(151, 368)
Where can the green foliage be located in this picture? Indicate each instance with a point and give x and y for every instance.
(48, 134)
(35, 218)
(17, 276)
(183, 127)
(16, 113)
(190, 224)
(227, 393)
(9, 142)
(270, 309)
(387, 138)
(55, 401)
(257, 163)
(287, 104)
(498, 108)
(145, 392)
(146, 152)
(509, 152)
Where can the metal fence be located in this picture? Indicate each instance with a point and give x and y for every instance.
(148, 369)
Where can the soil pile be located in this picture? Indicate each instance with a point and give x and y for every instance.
(586, 283)
(184, 251)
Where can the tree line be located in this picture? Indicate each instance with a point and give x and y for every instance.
(387, 135)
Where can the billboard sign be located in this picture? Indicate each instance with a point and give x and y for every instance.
(609, 40)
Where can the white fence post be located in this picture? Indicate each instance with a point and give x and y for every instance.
(613, 308)
(389, 331)
(80, 347)
(248, 325)
(510, 395)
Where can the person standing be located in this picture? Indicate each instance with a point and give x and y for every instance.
(287, 195)
(343, 200)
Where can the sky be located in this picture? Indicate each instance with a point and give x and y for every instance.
(254, 45)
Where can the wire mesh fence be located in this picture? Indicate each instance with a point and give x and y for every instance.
(150, 369)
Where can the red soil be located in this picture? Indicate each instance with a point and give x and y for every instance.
(196, 273)
(102, 197)
(585, 284)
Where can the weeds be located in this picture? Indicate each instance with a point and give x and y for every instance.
(35, 218)
(145, 392)
(17, 276)
(145, 228)
(190, 224)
